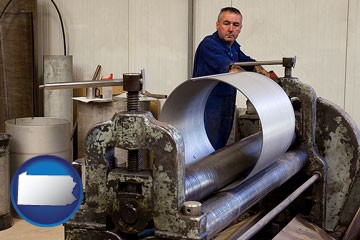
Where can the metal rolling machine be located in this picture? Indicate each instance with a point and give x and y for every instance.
(298, 157)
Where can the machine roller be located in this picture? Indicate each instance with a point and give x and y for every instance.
(303, 152)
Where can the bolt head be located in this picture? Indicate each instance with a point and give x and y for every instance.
(132, 82)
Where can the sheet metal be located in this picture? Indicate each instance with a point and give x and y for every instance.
(184, 109)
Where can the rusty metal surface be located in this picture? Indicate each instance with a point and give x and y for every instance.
(93, 113)
(332, 140)
(338, 141)
(304, 98)
(129, 201)
(160, 199)
(86, 234)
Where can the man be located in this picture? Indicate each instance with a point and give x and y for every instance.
(214, 55)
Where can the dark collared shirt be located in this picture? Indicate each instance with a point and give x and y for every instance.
(214, 56)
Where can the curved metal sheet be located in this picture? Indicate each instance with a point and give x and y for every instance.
(184, 109)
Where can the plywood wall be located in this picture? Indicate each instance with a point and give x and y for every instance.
(127, 35)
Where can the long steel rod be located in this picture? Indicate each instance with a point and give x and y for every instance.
(82, 84)
(274, 212)
(271, 62)
(227, 206)
(222, 167)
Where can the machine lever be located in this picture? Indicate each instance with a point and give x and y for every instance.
(285, 62)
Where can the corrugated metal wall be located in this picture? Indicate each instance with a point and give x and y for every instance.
(125, 36)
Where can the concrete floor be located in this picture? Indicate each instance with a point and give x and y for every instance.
(23, 230)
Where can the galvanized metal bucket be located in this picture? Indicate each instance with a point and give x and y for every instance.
(38, 136)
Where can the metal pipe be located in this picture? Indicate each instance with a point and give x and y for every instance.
(271, 62)
(287, 62)
(82, 84)
(222, 167)
(274, 212)
(96, 73)
(226, 206)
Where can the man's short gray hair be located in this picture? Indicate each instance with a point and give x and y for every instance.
(229, 9)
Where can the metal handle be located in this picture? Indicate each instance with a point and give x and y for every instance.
(285, 62)
(82, 84)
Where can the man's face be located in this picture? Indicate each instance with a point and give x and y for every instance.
(229, 26)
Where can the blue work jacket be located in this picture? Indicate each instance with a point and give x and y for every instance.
(214, 56)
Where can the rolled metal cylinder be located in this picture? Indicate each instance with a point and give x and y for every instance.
(185, 106)
(222, 167)
(38, 136)
(58, 104)
(226, 206)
